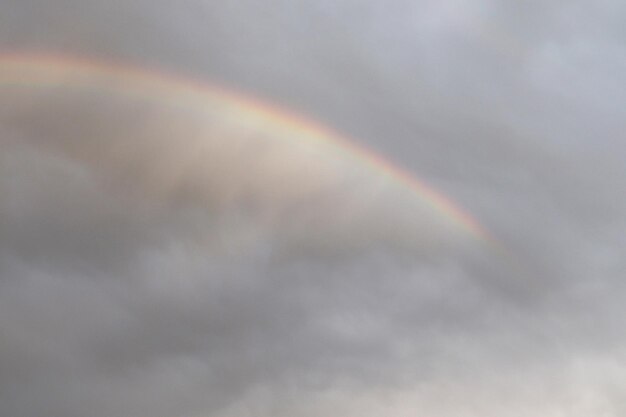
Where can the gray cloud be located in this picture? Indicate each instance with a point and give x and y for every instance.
(168, 259)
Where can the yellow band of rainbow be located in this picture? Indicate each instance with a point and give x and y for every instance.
(30, 69)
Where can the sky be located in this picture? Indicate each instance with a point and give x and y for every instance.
(283, 243)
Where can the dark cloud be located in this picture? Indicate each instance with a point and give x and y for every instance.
(164, 255)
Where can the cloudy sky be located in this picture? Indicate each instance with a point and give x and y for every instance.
(171, 250)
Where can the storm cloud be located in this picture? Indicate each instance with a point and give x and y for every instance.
(172, 252)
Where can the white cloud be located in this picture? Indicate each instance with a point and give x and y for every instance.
(159, 261)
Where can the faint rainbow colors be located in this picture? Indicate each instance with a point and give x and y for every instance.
(39, 69)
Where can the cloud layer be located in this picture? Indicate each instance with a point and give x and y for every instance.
(167, 254)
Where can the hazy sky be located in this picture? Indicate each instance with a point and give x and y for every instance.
(164, 254)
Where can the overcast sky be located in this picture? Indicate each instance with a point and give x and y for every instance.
(169, 256)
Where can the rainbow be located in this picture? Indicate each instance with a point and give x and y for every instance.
(44, 69)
